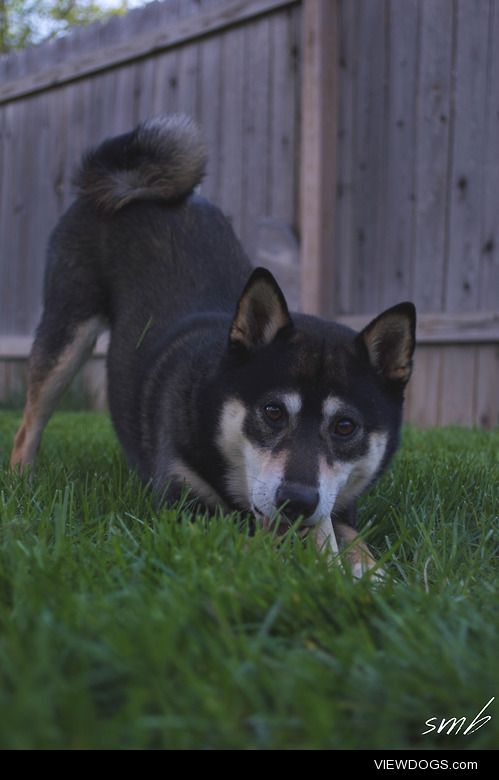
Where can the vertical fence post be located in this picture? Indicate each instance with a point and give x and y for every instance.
(318, 154)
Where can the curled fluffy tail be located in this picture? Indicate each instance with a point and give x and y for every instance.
(162, 159)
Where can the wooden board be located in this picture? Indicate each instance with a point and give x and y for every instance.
(369, 156)
(488, 294)
(255, 136)
(210, 112)
(425, 388)
(345, 243)
(433, 132)
(402, 45)
(318, 154)
(486, 412)
(466, 169)
(231, 142)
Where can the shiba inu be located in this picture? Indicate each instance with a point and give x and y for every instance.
(212, 383)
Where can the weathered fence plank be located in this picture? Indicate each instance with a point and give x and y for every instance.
(210, 112)
(369, 153)
(425, 388)
(432, 152)
(284, 53)
(487, 389)
(472, 22)
(399, 134)
(318, 154)
(231, 143)
(456, 402)
(344, 238)
(255, 134)
(488, 296)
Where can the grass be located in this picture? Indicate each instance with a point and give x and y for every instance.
(121, 627)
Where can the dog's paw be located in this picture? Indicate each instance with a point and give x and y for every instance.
(375, 573)
(357, 554)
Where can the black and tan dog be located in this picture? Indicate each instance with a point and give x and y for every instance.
(212, 383)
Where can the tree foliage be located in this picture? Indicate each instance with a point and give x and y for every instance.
(25, 22)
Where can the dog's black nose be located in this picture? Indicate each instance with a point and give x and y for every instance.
(297, 500)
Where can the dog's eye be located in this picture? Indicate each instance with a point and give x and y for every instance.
(275, 413)
(344, 428)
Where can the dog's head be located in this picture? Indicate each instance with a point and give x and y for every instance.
(312, 409)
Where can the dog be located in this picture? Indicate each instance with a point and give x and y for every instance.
(213, 385)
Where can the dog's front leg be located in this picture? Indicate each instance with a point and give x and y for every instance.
(357, 553)
(332, 536)
(325, 539)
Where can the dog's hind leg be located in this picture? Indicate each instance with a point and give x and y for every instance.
(57, 354)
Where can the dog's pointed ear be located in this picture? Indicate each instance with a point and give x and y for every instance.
(390, 340)
(261, 312)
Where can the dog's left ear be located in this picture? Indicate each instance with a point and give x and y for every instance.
(261, 313)
(390, 340)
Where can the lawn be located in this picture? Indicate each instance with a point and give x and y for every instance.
(121, 627)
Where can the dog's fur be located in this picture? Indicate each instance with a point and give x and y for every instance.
(212, 383)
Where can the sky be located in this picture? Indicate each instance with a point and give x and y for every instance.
(115, 3)
(42, 27)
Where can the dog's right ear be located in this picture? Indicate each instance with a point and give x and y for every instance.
(261, 313)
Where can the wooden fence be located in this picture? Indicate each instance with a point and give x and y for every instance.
(418, 190)
(354, 144)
